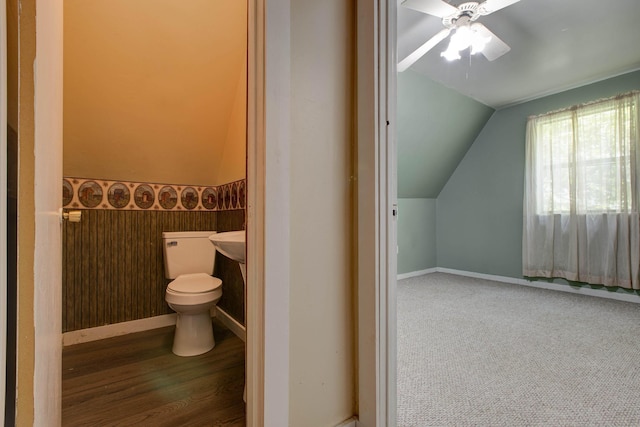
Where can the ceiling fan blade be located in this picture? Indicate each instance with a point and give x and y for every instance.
(495, 48)
(432, 7)
(490, 6)
(419, 52)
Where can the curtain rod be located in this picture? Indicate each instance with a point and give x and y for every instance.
(586, 104)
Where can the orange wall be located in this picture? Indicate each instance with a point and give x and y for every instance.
(155, 90)
(233, 157)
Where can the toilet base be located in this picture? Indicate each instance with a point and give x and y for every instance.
(194, 334)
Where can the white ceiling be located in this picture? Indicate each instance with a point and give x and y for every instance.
(555, 45)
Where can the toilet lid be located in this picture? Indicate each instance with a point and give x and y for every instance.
(195, 283)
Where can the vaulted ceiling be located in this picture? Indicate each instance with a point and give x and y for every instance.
(555, 46)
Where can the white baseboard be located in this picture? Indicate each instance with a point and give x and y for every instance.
(351, 422)
(117, 329)
(503, 279)
(416, 273)
(232, 324)
(544, 285)
(130, 327)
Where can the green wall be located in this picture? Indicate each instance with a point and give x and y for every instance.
(416, 235)
(436, 127)
(479, 210)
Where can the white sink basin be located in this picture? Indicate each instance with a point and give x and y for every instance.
(230, 244)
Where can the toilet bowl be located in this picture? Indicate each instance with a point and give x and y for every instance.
(189, 260)
(192, 296)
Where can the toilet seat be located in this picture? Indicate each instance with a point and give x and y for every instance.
(196, 283)
(192, 290)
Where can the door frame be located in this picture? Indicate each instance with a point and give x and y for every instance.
(268, 213)
(376, 211)
(47, 264)
(47, 370)
(3, 204)
(267, 223)
(268, 207)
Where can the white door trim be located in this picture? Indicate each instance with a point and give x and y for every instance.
(390, 263)
(48, 339)
(268, 180)
(47, 304)
(268, 288)
(376, 228)
(3, 204)
(268, 214)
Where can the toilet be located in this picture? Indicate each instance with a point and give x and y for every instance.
(189, 259)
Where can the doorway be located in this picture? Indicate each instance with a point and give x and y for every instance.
(154, 141)
(272, 319)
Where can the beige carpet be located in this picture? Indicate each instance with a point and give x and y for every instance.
(473, 352)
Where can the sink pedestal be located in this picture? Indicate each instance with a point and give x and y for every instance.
(232, 245)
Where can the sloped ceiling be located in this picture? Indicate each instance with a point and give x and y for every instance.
(436, 127)
(555, 46)
(153, 89)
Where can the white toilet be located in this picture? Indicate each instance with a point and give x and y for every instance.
(189, 258)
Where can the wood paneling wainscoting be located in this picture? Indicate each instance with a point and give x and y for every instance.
(113, 268)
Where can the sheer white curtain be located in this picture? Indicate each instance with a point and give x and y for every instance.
(582, 183)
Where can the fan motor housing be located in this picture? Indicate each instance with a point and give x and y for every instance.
(467, 12)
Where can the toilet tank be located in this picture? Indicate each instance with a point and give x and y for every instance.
(187, 252)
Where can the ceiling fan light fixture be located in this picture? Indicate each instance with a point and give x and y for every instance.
(465, 37)
(450, 54)
(460, 22)
(462, 38)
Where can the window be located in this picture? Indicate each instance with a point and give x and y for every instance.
(582, 187)
(584, 157)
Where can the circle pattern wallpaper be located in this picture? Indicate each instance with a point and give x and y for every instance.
(118, 195)
(144, 196)
(90, 194)
(86, 193)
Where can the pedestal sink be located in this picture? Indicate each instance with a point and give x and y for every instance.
(232, 244)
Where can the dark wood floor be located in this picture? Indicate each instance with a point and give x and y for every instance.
(135, 380)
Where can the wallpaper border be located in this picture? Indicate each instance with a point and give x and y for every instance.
(89, 193)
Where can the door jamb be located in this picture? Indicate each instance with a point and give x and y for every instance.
(47, 386)
(3, 204)
(47, 264)
(376, 227)
(268, 213)
(376, 211)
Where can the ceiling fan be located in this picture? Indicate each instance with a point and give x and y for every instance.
(467, 33)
